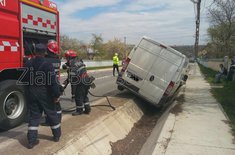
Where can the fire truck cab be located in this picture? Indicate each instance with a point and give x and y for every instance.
(24, 23)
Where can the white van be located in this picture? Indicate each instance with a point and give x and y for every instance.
(153, 70)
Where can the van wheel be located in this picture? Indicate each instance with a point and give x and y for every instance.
(185, 78)
(119, 87)
(13, 108)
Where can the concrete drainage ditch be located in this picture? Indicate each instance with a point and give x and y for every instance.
(124, 131)
(127, 130)
(100, 134)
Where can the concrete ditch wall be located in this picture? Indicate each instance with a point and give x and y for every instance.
(99, 135)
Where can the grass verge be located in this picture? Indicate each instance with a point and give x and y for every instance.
(95, 68)
(225, 95)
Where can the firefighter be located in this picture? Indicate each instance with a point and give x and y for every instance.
(71, 54)
(43, 93)
(115, 63)
(53, 58)
(80, 80)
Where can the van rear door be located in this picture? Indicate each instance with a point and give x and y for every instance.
(165, 67)
(141, 61)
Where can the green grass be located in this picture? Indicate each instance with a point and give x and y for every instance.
(208, 73)
(95, 68)
(225, 96)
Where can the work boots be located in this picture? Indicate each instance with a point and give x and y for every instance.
(78, 112)
(32, 144)
(87, 109)
(56, 139)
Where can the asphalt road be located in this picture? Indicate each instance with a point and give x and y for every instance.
(105, 85)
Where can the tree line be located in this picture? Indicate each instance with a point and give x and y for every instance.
(96, 49)
(221, 33)
(221, 37)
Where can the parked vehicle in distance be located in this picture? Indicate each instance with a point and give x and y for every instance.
(153, 71)
(192, 60)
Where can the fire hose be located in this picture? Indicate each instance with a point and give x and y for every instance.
(104, 105)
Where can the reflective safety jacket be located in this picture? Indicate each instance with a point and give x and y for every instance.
(115, 60)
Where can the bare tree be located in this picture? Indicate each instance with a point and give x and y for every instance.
(97, 45)
(115, 46)
(67, 43)
(222, 29)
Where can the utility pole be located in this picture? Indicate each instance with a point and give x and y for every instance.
(198, 3)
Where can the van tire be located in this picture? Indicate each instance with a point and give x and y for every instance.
(185, 78)
(13, 107)
(119, 87)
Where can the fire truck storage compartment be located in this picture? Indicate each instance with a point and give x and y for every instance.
(30, 39)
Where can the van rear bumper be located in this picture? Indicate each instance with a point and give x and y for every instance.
(121, 82)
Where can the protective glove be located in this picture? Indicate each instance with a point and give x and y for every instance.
(92, 78)
(57, 100)
(93, 86)
(61, 87)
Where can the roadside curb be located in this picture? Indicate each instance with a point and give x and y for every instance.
(165, 136)
(151, 143)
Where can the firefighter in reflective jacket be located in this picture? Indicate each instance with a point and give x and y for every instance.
(79, 78)
(42, 92)
(53, 58)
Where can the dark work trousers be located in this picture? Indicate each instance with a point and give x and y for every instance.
(115, 67)
(86, 99)
(39, 102)
(81, 98)
(73, 89)
(58, 111)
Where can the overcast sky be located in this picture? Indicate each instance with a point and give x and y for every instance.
(168, 21)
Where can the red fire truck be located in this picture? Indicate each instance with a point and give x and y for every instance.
(23, 23)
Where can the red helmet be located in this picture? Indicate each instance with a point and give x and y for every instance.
(52, 46)
(70, 54)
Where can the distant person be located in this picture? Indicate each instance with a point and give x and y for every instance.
(226, 59)
(222, 73)
(233, 61)
(231, 73)
(115, 63)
